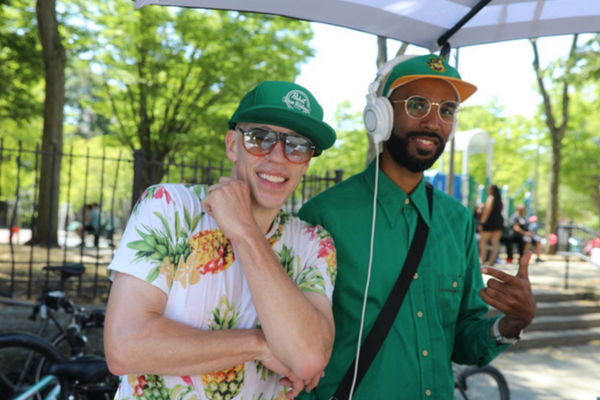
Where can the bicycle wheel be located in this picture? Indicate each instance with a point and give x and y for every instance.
(93, 346)
(19, 356)
(485, 383)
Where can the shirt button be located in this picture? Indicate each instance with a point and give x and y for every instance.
(428, 392)
(420, 314)
(406, 201)
(454, 284)
(415, 276)
(425, 353)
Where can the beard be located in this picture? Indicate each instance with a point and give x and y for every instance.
(398, 148)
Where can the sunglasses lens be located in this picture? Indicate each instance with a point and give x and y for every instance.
(298, 149)
(259, 141)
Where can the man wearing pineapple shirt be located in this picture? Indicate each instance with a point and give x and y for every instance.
(217, 293)
(442, 318)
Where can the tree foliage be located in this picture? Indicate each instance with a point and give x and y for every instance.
(349, 151)
(21, 67)
(172, 77)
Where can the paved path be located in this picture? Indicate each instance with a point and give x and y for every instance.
(565, 373)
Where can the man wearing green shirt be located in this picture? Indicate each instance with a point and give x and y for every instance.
(442, 319)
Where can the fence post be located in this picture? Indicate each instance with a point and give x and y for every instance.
(138, 168)
(339, 173)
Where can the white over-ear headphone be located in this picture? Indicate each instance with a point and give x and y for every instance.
(378, 114)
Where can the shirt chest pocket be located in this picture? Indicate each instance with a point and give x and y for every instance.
(450, 291)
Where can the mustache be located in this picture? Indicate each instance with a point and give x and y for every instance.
(426, 134)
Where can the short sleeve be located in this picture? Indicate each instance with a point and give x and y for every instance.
(158, 228)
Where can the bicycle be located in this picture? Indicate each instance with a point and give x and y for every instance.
(485, 383)
(80, 378)
(84, 329)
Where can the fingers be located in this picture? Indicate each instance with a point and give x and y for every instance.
(295, 384)
(310, 384)
(524, 265)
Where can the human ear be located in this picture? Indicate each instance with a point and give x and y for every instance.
(231, 145)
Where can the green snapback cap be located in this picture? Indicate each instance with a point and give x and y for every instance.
(288, 105)
(427, 66)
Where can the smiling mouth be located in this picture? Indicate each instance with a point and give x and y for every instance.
(426, 142)
(272, 178)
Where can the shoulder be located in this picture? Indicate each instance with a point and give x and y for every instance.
(339, 193)
(449, 203)
(297, 227)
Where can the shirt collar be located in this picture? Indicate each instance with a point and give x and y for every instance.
(392, 199)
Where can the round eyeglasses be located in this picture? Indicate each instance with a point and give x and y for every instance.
(260, 142)
(418, 107)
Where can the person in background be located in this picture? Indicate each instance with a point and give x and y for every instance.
(492, 225)
(519, 233)
(534, 226)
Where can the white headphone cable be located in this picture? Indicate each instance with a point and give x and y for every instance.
(364, 308)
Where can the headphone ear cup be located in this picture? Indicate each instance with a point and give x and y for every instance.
(378, 117)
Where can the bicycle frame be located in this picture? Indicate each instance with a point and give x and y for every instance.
(39, 386)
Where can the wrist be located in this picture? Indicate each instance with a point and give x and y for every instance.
(505, 334)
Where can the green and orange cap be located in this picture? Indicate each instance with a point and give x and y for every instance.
(427, 66)
(288, 105)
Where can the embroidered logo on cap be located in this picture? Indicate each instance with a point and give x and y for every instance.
(297, 100)
(436, 64)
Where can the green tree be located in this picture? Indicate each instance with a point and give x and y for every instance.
(581, 165)
(348, 153)
(172, 77)
(21, 67)
(556, 113)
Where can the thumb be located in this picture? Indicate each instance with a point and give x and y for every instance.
(524, 265)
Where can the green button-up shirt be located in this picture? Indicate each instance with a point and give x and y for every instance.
(442, 317)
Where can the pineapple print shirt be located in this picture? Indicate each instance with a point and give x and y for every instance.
(172, 244)
(442, 317)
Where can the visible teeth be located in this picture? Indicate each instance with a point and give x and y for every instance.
(271, 178)
(425, 141)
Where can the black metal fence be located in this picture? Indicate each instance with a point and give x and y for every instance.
(112, 181)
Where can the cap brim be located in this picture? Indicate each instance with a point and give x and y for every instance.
(464, 89)
(318, 132)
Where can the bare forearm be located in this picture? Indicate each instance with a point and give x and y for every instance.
(167, 347)
(296, 331)
(140, 339)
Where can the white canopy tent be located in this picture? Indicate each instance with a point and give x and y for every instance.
(428, 23)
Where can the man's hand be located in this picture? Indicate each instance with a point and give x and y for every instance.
(309, 384)
(512, 296)
(289, 378)
(229, 203)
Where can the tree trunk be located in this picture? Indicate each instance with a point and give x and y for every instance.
(554, 183)
(53, 52)
(557, 133)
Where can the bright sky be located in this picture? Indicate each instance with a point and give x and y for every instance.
(345, 64)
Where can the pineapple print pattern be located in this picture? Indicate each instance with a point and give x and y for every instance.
(172, 244)
(150, 387)
(225, 384)
(214, 252)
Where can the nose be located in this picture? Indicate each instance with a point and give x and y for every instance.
(276, 155)
(432, 121)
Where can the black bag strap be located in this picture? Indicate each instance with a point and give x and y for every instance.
(390, 309)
